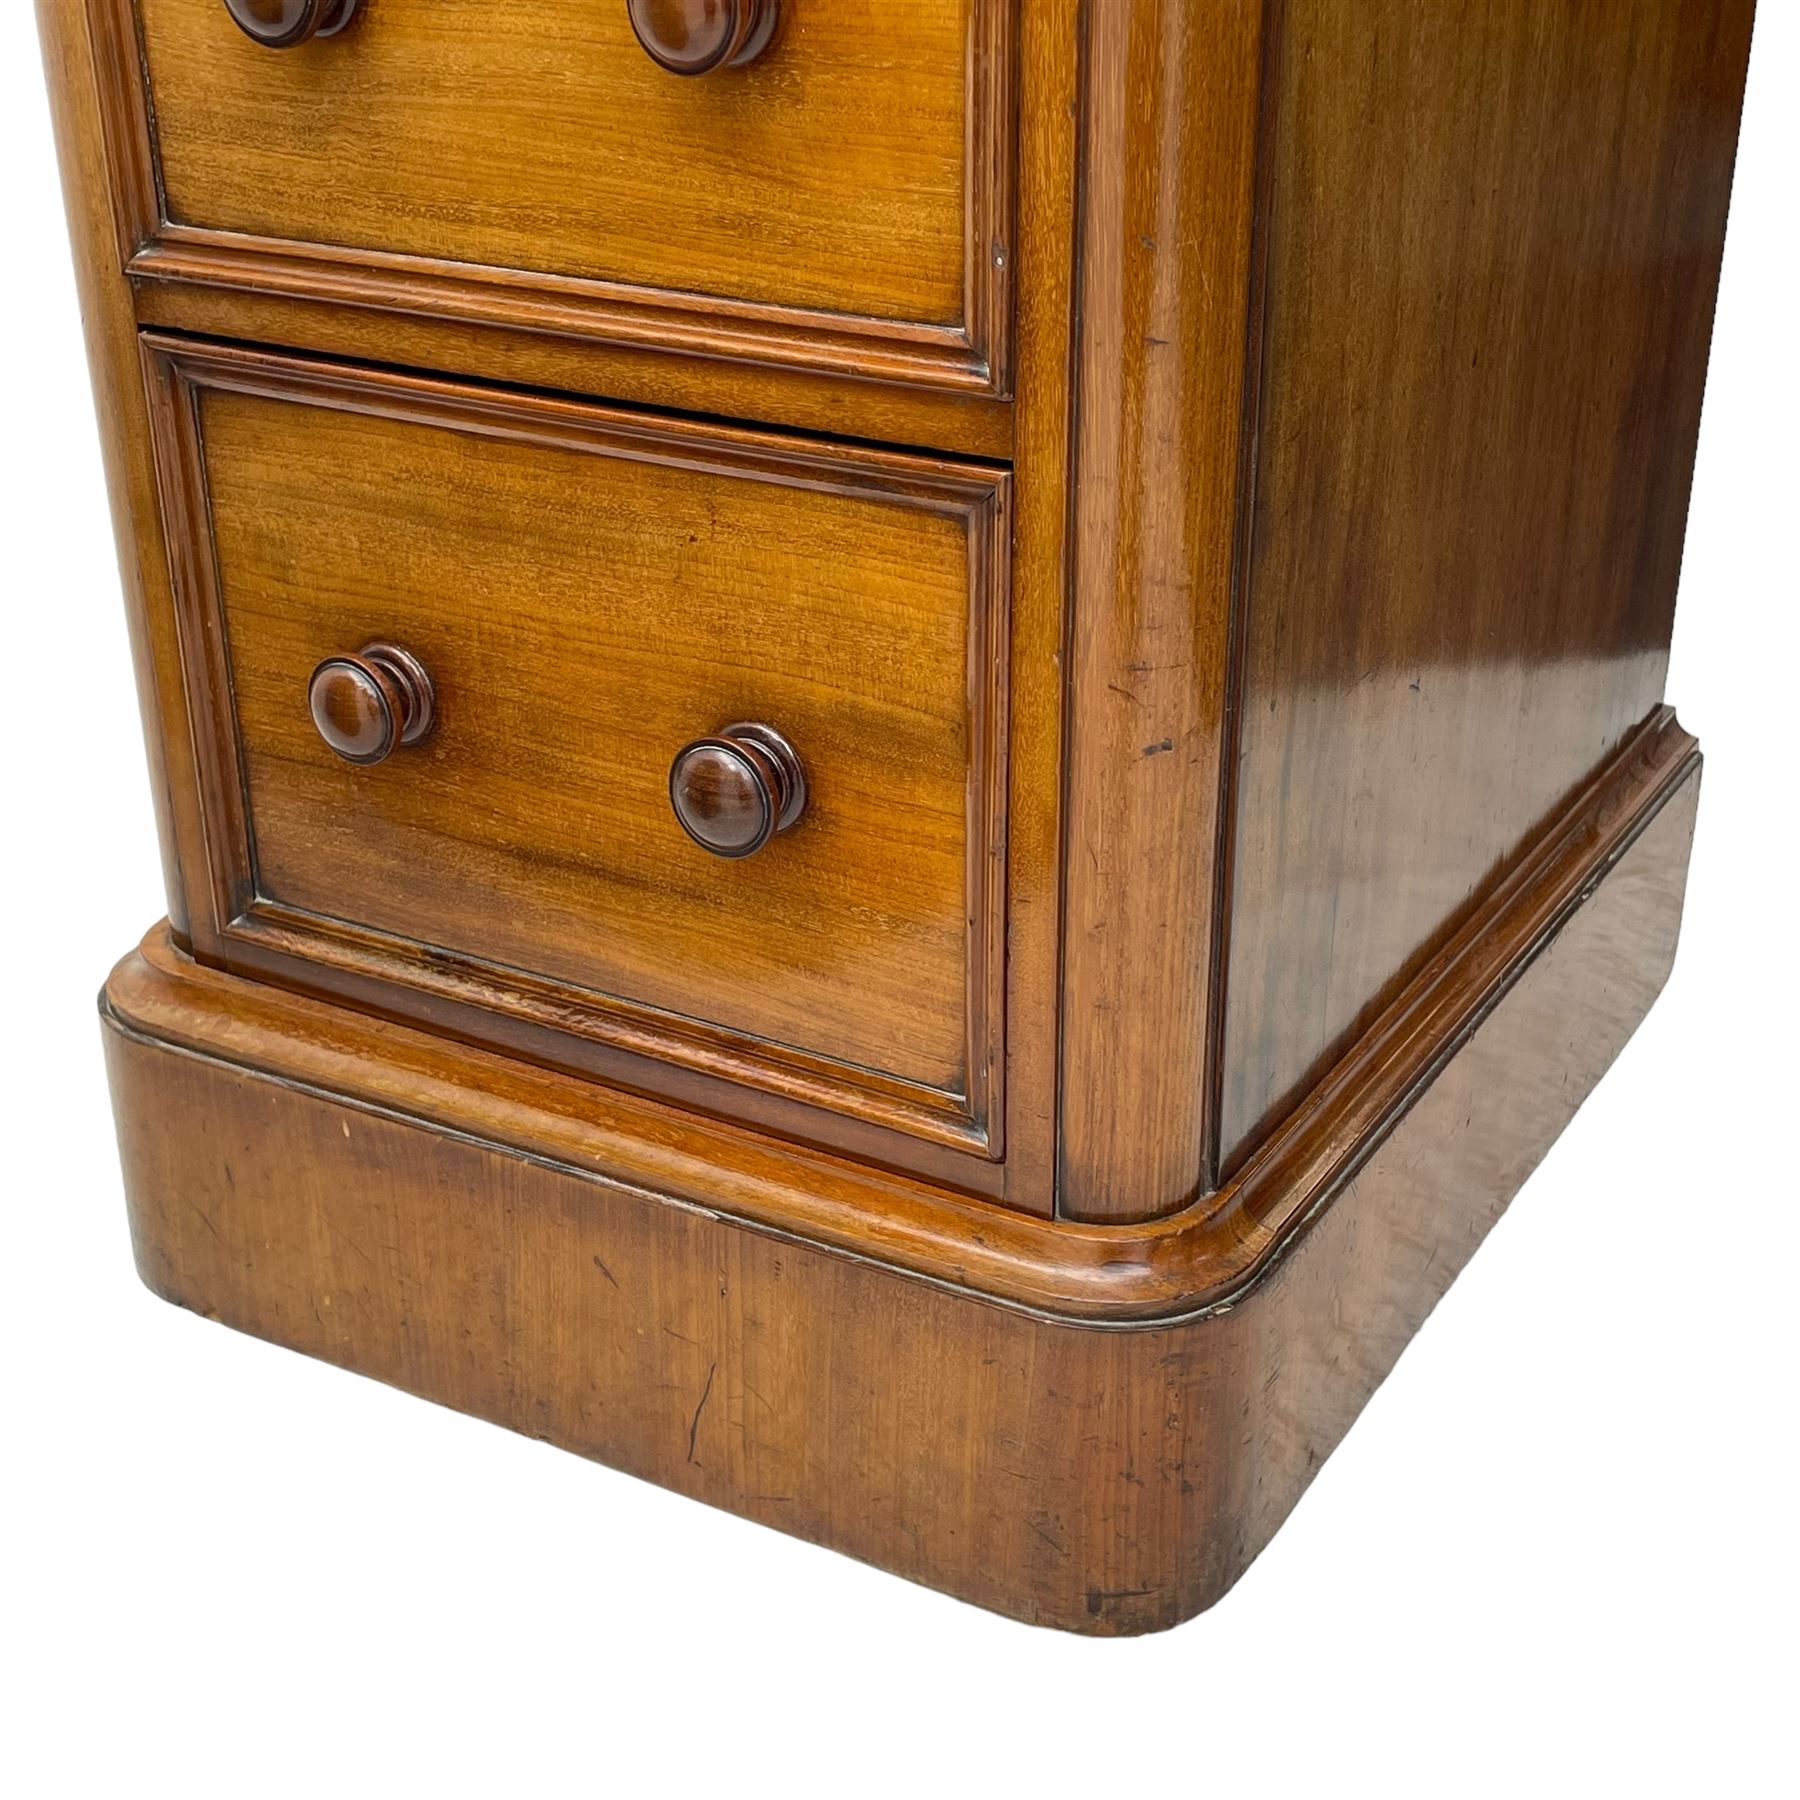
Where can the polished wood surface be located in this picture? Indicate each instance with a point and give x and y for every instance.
(843, 201)
(1495, 235)
(695, 37)
(1098, 1480)
(590, 591)
(1446, 279)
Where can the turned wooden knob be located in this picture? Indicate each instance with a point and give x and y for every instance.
(367, 705)
(693, 37)
(734, 791)
(281, 24)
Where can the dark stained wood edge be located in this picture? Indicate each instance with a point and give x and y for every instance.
(101, 223)
(253, 933)
(198, 621)
(989, 661)
(1237, 624)
(974, 357)
(990, 194)
(125, 124)
(1206, 1259)
(1325, 1141)
(1048, 57)
(1172, 126)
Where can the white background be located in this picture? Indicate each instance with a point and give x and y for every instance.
(1556, 1555)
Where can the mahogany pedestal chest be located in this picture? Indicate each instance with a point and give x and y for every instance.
(906, 753)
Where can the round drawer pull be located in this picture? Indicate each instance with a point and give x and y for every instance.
(281, 24)
(734, 791)
(694, 37)
(367, 705)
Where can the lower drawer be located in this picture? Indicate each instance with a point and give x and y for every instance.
(580, 594)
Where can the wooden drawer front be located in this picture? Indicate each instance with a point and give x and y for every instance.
(589, 591)
(839, 202)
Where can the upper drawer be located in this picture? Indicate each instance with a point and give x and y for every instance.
(840, 202)
(589, 592)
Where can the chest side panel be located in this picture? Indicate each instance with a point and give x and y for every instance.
(1494, 242)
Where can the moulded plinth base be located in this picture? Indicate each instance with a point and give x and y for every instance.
(1091, 1428)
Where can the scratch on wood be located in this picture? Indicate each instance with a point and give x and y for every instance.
(205, 1219)
(1102, 1597)
(694, 1423)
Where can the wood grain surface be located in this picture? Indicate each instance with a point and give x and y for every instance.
(1495, 234)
